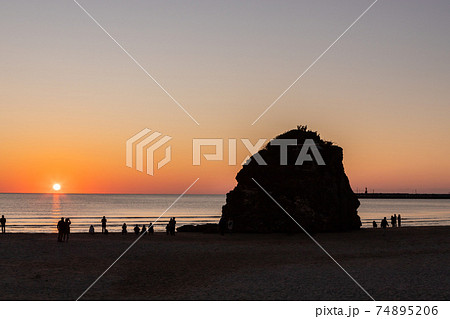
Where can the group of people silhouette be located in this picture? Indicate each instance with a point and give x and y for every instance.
(170, 227)
(137, 230)
(395, 221)
(63, 227)
(104, 230)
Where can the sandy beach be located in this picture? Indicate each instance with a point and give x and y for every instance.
(394, 264)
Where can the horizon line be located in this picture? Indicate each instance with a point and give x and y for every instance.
(62, 193)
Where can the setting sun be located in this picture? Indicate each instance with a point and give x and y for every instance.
(56, 187)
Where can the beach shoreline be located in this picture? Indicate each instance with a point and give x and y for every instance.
(189, 229)
(130, 232)
(407, 263)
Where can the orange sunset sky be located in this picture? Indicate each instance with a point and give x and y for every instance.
(70, 97)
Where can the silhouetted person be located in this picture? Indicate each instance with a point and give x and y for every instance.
(143, 230)
(399, 220)
(136, 230)
(60, 226)
(172, 228)
(169, 224)
(91, 230)
(3, 223)
(384, 223)
(66, 229)
(374, 224)
(104, 224)
(395, 220)
(151, 230)
(124, 229)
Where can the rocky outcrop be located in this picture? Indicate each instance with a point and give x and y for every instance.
(202, 228)
(318, 197)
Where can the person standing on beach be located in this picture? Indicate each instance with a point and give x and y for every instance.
(151, 230)
(124, 229)
(136, 230)
(384, 223)
(66, 229)
(172, 228)
(395, 220)
(104, 224)
(374, 224)
(169, 224)
(3, 223)
(143, 230)
(60, 226)
(399, 219)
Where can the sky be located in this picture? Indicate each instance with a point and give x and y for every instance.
(70, 97)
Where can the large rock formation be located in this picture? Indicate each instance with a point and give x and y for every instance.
(318, 197)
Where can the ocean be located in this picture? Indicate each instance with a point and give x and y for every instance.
(39, 213)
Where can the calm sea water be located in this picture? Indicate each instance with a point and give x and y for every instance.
(41, 212)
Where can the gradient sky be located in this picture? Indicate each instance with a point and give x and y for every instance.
(70, 98)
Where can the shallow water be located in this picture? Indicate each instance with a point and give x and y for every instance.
(41, 212)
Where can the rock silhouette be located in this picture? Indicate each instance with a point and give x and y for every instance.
(203, 228)
(318, 197)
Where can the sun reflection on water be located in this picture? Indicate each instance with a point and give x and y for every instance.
(56, 204)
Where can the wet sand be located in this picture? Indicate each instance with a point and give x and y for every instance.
(410, 263)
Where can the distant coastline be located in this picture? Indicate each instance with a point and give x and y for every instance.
(402, 196)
